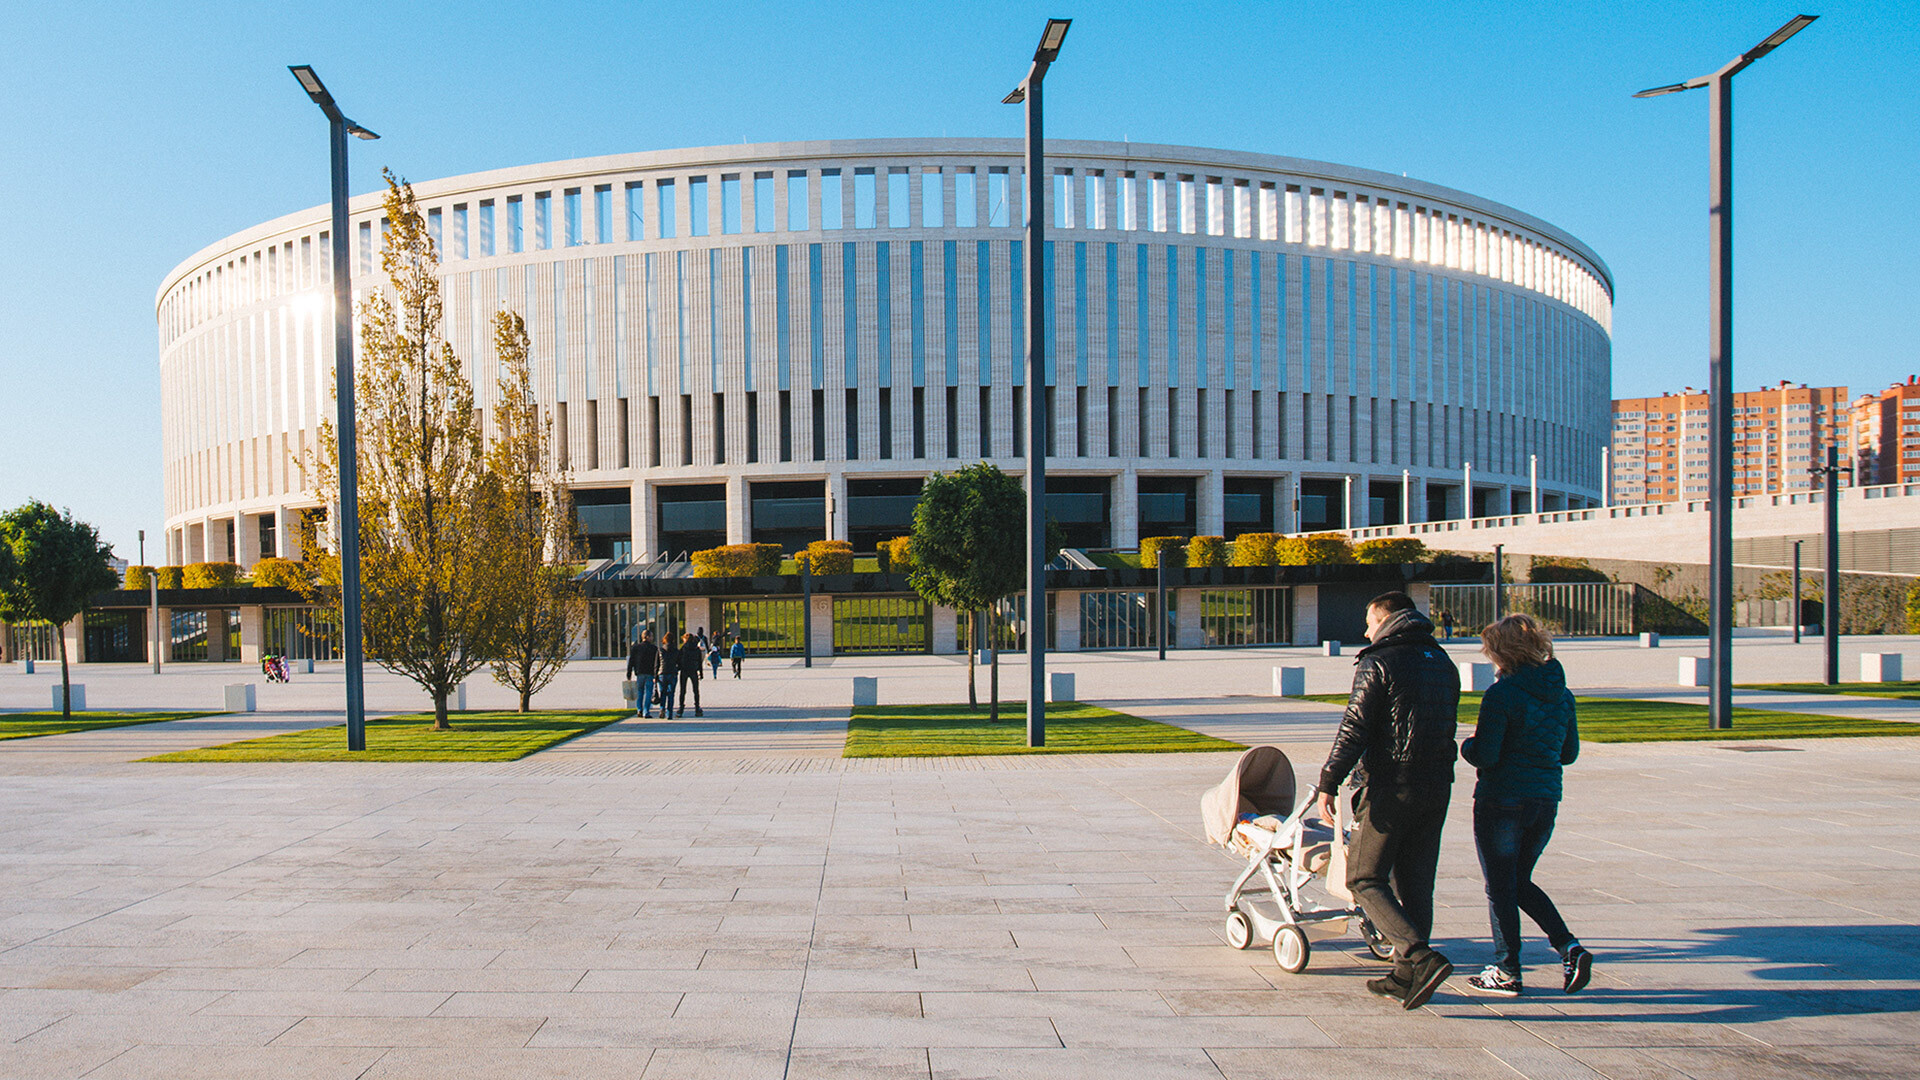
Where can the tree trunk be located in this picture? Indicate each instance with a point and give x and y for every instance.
(973, 651)
(66, 688)
(526, 699)
(440, 711)
(993, 707)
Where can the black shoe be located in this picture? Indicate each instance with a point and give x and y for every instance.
(1577, 968)
(1389, 988)
(697, 712)
(1428, 973)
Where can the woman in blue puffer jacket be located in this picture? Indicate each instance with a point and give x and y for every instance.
(1527, 732)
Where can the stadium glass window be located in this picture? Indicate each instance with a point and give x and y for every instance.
(458, 244)
(1129, 202)
(730, 203)
(542, 220)
(832, 200)
(636, 211)
(797, 200)
(932, 199)
(997, 209)
(603, 214)
(516, 225)
(863, 199)
(486, 227)
(966, 200)
(434, 231)
(366, 249)
(1063, 198)
(1157, 202)
(665, 217)
(1188, 206)
(763, 208)
(1095, 214)
(1216, 207)
(570, 206)
(696, 206)
(899, 201)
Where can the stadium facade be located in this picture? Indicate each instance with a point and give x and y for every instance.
(778, 342)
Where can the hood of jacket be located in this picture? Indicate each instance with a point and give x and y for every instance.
(1401, 626)
(1543, 681)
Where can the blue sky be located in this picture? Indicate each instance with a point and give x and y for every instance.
(139, 133)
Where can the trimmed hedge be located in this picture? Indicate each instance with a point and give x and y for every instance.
(1256, 549)
(1155, 548)
(738, 560)
(137, 578)
(827, 557)
(169, 576)
(209, 575)
(1318, 549)
(1405, 549)
(279, 574)
(899, 554)
(1205, 551)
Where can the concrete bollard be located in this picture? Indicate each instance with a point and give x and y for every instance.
(1329, 648)
(866, 690)
(1289, 682)
(78, 697)
(29, 664)
(1880, 667)
(459, 702)
(1060, 686)
(305, 666)
(1649, 640)
(1475, 677)
(240, 697)
(1695, 671)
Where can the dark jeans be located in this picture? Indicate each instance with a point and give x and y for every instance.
(666, 692)
(1511, 834)
(643, 698)
(689, 682)
(1391, 863)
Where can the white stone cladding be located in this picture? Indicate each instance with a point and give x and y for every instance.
(1300, 321)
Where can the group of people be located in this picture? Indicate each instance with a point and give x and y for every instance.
(1396, 742)
(659, 670)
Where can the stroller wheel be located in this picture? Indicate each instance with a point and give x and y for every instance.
(1239, 930)
(1377, 944)
(1290, 950)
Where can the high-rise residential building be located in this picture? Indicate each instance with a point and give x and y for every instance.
(1660, 444)
(1886, 435)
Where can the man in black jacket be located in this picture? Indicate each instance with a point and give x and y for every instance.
(643, 664)
(688, 659)
(1396, 741)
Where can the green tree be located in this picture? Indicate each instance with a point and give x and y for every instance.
(50, 568)
(532, 528)
(430, 581)
(969, 545)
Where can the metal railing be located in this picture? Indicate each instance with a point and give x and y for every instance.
(1257, 616)
(614, 625)
(1568, 609)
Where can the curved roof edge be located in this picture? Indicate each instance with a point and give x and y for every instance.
(840, 149)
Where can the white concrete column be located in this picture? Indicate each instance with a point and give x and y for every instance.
(1306, 614)
(75, 632)
(1210, 492)
(739, 511)
(645, 523)
(1126, 510)
(946, 631)
(253, 628)
(1422, 595)
(822, 625)
(837, 506)
(1066, 621)
(1187, 633)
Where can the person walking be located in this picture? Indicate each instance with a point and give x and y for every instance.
(669, 673)
(738, 653)
(643, 666)
(1446, 625)
(1396, 741)
(713, 655)
(1527, 733)
(690, 662)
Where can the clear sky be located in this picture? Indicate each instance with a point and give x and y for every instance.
(139, 133)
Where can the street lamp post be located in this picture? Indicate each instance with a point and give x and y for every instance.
(1830, 603)
(1796, 591)
(338, 128)
(1029, 92)
(1720, 363)
(153, 603)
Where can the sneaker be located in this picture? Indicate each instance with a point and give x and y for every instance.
(1428, 973)
(1389, 988)
(1494, 982)
(1577, 969)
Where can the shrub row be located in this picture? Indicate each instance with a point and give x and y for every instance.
(1273, 549)
(827, 557)
(898, 553)
(266, 574)
(1154, 550)
(738, 560)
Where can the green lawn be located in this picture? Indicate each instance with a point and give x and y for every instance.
(476, 736)
(1627, 720)
(1906, 691)
(24, 725)
(956, 731)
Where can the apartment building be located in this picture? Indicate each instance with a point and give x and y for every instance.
(1660, 444)
(1886, 434)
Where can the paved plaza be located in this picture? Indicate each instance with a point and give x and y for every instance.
(727, 897)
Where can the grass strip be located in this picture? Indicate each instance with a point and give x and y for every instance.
(1630, 720)
(476, 736)
(958, 731)
(1898, 691)
(26, 725)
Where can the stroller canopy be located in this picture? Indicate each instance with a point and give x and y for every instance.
(1260, 783)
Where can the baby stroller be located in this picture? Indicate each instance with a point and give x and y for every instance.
(274, 667)
(1253, 814)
